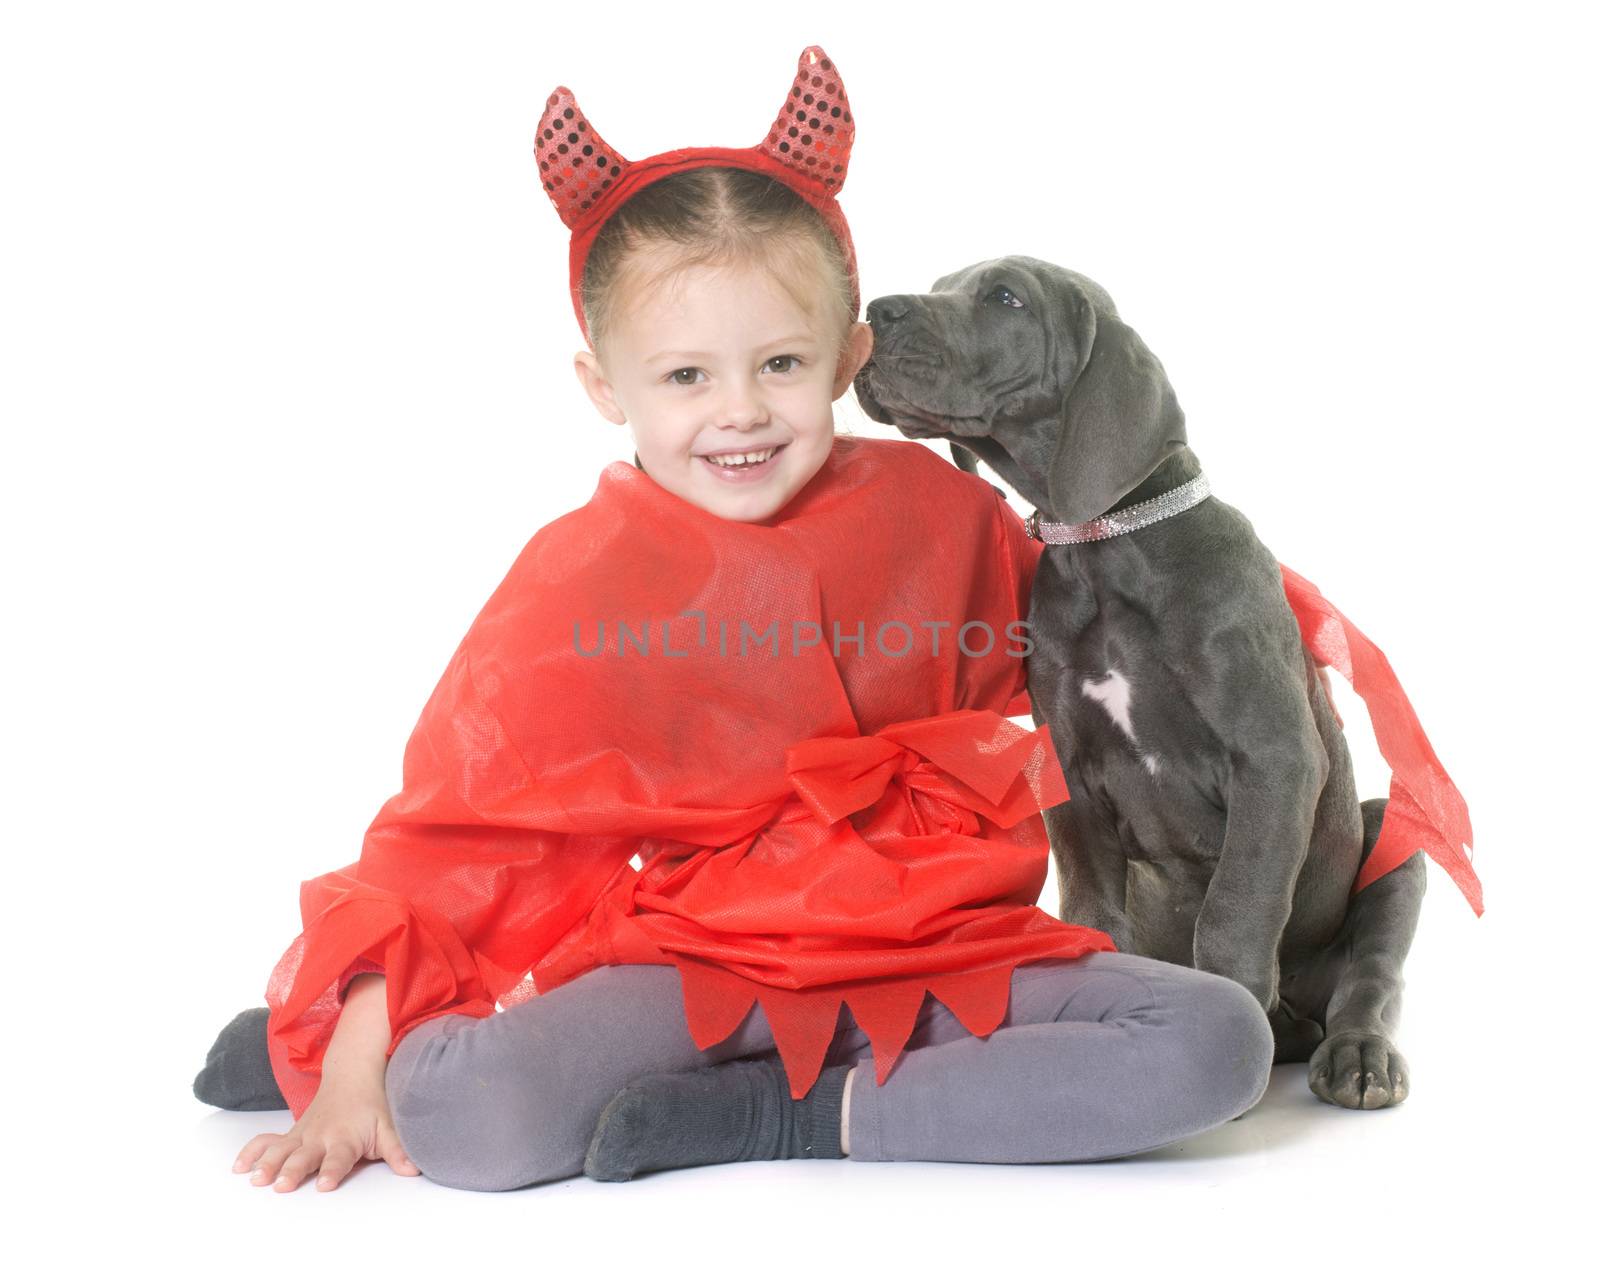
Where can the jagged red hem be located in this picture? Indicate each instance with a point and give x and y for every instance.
(805, 1020)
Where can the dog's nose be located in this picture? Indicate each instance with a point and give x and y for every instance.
(886, 309)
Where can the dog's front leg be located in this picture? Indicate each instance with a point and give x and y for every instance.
(1091, 868)
(1247, 903)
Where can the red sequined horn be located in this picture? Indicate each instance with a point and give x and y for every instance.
(574, 160)
(807, 148)
(811, 137)
(814, 131)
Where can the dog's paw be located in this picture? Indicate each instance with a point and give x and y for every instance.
(1360, 1070)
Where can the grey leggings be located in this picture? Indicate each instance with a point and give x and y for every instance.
(1105, 1055)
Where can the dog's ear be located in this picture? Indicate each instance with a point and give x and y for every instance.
(1119, 420)
(964, 458)
(968, 462)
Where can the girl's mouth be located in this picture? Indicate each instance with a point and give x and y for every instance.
(743, 468)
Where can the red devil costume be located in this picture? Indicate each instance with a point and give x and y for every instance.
(826, 808)
(777, 756)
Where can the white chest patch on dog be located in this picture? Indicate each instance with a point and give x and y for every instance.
(1152, 764)
(1116, 694)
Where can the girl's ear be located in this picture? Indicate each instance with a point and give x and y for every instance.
(853, 355)
(595, 383)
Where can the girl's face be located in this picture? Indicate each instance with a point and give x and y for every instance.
(719, 360)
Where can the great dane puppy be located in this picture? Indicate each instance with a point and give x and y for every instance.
(1213, 818)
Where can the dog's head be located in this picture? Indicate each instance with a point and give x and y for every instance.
(1028, 366)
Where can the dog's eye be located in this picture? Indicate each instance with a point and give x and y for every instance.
(1006, 296)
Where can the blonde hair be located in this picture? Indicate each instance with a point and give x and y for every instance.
(715, 216)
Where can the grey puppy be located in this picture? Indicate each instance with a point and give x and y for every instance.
(1213, 818)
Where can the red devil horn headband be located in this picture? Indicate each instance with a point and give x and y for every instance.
(807, 148)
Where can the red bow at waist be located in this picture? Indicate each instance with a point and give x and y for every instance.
(967, 761)
(808, 912)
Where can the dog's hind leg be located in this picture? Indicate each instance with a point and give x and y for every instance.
(1358, 1065)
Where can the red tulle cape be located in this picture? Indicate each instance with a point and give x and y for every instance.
(799, 731)
(778, 756)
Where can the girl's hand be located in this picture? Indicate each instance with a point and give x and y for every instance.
(347, 1120)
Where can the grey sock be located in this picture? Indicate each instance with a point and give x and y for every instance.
(238, 1074)
(729, 1113)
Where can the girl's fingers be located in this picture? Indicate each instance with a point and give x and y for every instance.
(336, 1166)
(394, 1154)
(297, 1166)
(272, 1159)
(285, 1160)
(252, 1151)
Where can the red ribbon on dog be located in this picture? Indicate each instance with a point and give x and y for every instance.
(1426, 811)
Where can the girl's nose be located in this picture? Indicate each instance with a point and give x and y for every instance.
(743, 404)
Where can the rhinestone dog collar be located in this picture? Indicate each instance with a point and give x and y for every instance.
(1116, 523)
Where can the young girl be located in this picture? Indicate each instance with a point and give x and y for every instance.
(735, 732)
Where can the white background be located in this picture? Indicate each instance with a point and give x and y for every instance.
(286, 365)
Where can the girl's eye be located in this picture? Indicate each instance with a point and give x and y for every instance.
(695, 370)
(1006, 296)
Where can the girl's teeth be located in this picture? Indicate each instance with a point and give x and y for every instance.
(741, 460)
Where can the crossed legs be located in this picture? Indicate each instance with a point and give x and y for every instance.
(1105, 1055)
